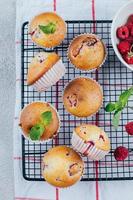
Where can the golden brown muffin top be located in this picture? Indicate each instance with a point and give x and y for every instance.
(82, 97)
(31, 115)
(86, 51)
(62, 166)
(39, 65)
(54, 29)
(93, 134)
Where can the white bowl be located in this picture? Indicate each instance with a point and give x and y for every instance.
(119, 20)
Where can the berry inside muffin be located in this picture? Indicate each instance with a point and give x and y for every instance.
(87, 52)
(45, 70)
(91, 141)
(62, 166)
(47, 29)
(40, 64)
(82, 97)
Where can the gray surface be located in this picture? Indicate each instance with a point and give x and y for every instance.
(7, 96)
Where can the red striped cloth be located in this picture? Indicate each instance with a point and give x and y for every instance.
(78, 10)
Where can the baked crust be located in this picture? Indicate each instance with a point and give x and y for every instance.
(31, 115)
(92, 133)
(39, 65)
(62, 166)
(47, 40)
(86, 52)
(82, 97)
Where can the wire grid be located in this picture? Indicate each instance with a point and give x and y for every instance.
(113, 77)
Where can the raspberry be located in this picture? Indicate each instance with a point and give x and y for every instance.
(123, 32)
(124, 47)
(130, 39)
(121, 153)
(129, 23)
(128, 58)
(129, 128)
(129, 26)
(130, 19)
(131, 31)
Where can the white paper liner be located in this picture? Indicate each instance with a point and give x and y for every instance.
(105, 56)
(41, 141)
(50, 78)
(86, 149)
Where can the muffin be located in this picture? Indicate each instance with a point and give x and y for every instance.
(62, 166)
(39, 121)
(91, 141)
(87, 52)
(47, 29)
(82, 97)
(45, 70)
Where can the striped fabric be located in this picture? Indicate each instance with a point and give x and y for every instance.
(24, 190)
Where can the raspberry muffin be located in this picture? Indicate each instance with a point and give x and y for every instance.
(62, 166)
(87, 52)
(45, 70)
(82, 97)
(91, 141)
(47, 30)
(39, 121)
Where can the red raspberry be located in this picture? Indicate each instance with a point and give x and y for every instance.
(128, 58)
(131, 31)
(121, 153)
(129, 26)
(123, 32)
(124, 47)
(130, 39)
(129, 128)
(130, 19)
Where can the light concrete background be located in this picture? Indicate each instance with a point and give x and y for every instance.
(7, 96)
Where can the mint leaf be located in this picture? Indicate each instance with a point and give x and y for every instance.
(110, 107)
(131, 90)
(125, 96)
(49, 28)
(46, 117)
(116, 119)
(36, 132)
(118, 106)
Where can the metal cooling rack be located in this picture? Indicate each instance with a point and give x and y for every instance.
(113, 77)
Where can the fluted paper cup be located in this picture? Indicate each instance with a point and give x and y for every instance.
(87, 149)
(51, 77)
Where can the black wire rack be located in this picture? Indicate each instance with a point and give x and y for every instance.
(113, 77)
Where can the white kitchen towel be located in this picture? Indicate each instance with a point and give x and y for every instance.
(30, 190)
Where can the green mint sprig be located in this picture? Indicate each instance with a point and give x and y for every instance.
(118, 106)
(38, 129)
(36, 132)
(49, 28)
(46, 118)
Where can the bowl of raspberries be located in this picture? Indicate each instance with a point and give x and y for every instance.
(122, 35)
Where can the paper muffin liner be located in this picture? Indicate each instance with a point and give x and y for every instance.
(94, 69)
(50, 78)
(41, 141)
(99, 87)
(86, 149)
